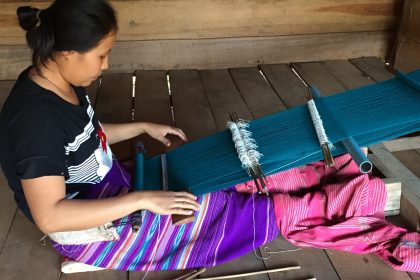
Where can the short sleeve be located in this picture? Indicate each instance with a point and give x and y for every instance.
(37, 143)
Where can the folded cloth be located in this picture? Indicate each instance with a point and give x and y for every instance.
(339, 208)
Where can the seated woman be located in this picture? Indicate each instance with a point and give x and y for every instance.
(56, 157)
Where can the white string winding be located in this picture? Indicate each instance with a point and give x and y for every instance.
(319, 127)
(245, 145)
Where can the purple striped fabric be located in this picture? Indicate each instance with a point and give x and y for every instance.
(223, 230)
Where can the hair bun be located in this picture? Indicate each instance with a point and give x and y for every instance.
(28, 18)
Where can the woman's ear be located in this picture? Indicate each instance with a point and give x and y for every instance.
(66, 54)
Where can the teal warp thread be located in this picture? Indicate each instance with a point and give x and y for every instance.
(370, 115)
(139, 171)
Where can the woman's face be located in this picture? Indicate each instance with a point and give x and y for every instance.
(81, 69)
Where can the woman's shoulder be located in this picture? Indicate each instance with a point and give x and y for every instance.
(24, 92)
(26, 105)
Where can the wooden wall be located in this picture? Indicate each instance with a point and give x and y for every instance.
(185, 34)
(407, 56)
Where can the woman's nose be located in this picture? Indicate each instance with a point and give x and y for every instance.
(105, 63)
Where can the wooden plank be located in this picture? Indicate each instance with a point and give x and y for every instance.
(5, 88)
(322, 76)
(373, 68)
(24, 256)
(412, 26)
(286, 84)
(8, 204)
(366, 267)
(393, 198)
(390, 166)
(191, 107)
(102, 274)
(414, 276)
(304, 257)
(13, 60)
(407, 44)
(186, 19)
(402, 144)
(315, 73)
(408, 55)
(114, 105)
(345, 72)
(260, 98)
(152, 104)
(128, 56)
(244, 51)
(224, 98)
(158, 275)
(8, 209)
(411, 159)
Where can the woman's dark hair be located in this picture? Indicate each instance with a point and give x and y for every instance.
(67, 25)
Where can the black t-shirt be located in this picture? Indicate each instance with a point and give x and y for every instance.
(41, 134)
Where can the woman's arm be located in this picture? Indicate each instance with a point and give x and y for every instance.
(119, 132)
(53, 213)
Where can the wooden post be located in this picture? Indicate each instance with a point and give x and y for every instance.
(407, 45)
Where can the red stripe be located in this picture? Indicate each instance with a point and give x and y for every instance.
(121, 249)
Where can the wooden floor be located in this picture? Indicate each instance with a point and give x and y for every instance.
(199, 102)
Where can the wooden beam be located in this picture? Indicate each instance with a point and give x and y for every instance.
(13, 60)
(393, 199)
(373, 68)
(114, 104)
(391, 167)
(410, 21)
(221, 53)
(408, 54)
(194, 19)
(407, 45)
(402, 144)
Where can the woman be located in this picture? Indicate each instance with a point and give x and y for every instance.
(55, 155)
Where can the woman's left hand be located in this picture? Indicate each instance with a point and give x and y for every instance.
(159, 132)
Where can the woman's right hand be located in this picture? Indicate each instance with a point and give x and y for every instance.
(168, 203)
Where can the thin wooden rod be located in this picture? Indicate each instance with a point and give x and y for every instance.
(195, 274)
(252, 273)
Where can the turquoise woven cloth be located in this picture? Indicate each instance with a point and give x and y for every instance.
(287, 139)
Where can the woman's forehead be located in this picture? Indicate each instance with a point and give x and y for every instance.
(106, 43)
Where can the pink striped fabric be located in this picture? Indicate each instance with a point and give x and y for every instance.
(339, 208)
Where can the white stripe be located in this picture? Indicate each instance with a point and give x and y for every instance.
(84, 136)
(85, 172)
